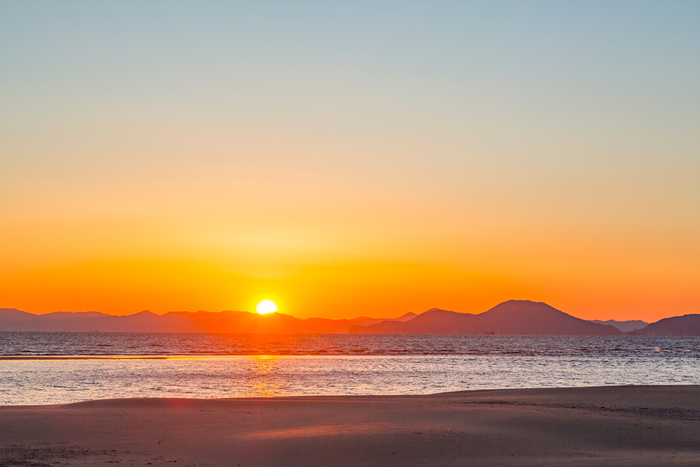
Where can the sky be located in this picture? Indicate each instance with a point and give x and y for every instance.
(350, 158)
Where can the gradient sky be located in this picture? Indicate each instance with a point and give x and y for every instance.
(346, 159)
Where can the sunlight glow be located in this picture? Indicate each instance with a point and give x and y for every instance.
(266, 306)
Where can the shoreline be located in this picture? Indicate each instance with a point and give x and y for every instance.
(610, 425)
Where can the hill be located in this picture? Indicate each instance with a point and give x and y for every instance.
(686, 325)
(514, 317)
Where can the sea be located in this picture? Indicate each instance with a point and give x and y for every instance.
(58, 368)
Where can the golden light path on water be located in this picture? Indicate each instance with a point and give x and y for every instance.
(261, 383)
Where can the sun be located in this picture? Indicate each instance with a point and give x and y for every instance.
(266, 306)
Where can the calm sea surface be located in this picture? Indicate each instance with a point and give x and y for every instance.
(53, 368)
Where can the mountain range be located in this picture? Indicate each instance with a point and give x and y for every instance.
(179, 321)
(514, 317)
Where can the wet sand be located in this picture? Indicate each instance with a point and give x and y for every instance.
(610, 426)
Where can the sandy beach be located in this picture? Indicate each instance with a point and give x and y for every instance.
(615, 426)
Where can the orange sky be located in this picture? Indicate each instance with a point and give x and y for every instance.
(350, 164)
(322, 249)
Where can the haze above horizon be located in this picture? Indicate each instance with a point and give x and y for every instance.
(350, 159)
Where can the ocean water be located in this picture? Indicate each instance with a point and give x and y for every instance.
(55, 368)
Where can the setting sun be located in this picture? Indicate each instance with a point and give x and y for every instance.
(265, 307)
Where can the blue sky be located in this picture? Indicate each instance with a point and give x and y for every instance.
(573, 122)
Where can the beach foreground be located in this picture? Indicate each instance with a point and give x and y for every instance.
(632, 425)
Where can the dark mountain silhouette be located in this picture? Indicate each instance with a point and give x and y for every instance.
(176, 321)
(624, 326)
(514, 317)
(686, 325)
(406, 317)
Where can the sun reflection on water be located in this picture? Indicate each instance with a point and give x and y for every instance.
(263, 381)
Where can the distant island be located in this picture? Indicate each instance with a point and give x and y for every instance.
(514, 317)
(624, 326)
